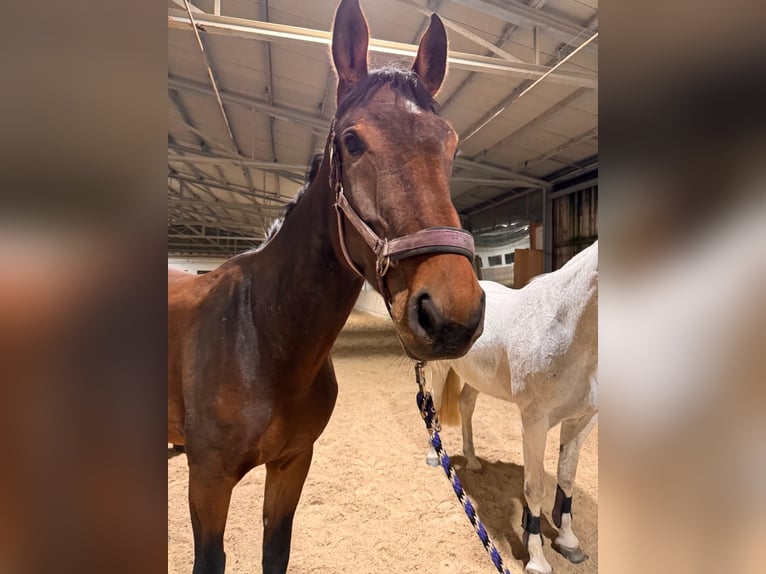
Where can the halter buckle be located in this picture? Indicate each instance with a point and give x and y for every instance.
(384, 261)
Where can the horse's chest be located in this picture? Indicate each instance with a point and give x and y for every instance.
(297, 419)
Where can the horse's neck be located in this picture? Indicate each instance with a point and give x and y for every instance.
(570, 296)
(577, 296)
(300, 274)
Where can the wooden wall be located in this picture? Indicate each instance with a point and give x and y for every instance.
(575, 224)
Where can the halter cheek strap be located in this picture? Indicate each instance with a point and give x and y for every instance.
(427, 241)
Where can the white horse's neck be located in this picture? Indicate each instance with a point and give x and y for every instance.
(577, 290)
(564, 305)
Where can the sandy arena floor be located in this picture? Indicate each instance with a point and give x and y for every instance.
(370, 503)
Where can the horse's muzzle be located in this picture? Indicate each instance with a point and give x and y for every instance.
(437, 335)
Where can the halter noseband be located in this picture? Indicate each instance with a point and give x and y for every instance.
(424, 242)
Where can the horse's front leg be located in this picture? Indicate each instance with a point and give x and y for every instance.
(573, 434)
(284, 483)
(209, 495)
(468, 398)
(534, 430)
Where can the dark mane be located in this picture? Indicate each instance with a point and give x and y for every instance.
(403, 82)
(316, 162)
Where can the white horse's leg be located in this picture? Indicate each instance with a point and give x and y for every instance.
(438, 378)
(432, 459)
(534, 431)
(573, 435)
(468, 398)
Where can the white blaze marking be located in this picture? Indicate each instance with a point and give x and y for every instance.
(412, 107)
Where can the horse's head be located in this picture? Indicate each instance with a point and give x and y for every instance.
(393, 157)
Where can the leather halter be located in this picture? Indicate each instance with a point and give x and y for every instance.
(427, 241)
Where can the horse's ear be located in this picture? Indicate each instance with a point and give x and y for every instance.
(431, 62)
(350, 36)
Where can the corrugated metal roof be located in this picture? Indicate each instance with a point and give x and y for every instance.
(281, 118)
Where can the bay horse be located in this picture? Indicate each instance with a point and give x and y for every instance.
(250, 379)
(539, 349)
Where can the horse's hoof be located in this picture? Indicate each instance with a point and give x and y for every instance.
(432, 460)
(537, 569)
(574, 555)
(473, 465)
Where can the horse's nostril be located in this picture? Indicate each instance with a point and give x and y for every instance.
(441, 335)
(428, 316)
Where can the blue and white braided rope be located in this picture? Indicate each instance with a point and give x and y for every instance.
(427, 411)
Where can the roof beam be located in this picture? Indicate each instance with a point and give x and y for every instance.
(324, 105)
(562, 53)
(489, 204)
(269, 82)
(249, 102)
(175, 200)
(197, 206)
(225, 237)
(494, 182)
(208, 224)
(544, 116)
(563, 29)
(293, 172)
(198, 156)
(251, 221)
(455, 27)
(202, 180)
(577, 187)
(214, 84)
(197, 233)
(520, 90)
(433, 6)
(465, 163)
(258, 193)
(204, 140)
(193, 213)
(194, 192)
(508, 31)
(192, 7)
(580, 167)
(206, 248)
(552, 153)
(459, 60)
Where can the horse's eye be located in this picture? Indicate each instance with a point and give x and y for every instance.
(354, 144)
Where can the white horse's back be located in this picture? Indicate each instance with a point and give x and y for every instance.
(545, 331)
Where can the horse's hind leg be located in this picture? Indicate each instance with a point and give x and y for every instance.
(468, 398)
(209, 497)
(534, 431)
(573, 434)
(284, 483)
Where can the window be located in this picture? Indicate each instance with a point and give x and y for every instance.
(508, 258)
(495, 260)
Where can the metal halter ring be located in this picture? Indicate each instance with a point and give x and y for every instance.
(384, 261)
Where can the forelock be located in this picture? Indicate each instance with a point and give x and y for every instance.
(403, 82)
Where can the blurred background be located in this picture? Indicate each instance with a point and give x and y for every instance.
(682, 318)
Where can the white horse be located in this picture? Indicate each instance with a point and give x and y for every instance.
(538, 350)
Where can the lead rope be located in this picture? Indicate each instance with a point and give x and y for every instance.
(426, 405)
